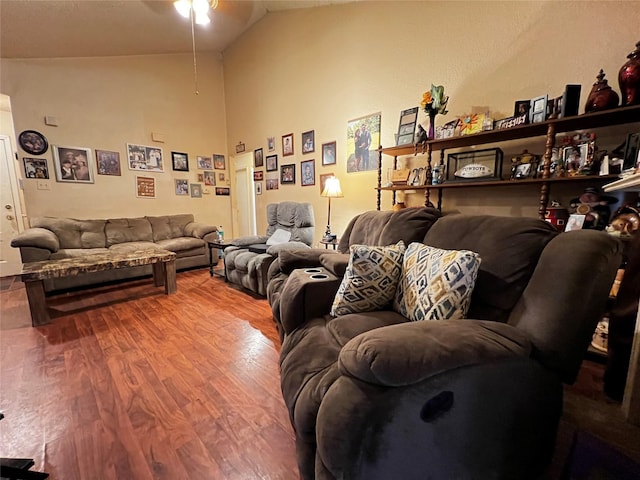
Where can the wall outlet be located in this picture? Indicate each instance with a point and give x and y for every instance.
(43, 185)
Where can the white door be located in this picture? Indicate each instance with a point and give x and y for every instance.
(10, 263)
(244, 212)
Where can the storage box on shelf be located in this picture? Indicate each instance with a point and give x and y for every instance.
(548, 128)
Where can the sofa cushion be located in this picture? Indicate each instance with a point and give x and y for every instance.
(436, 284)
(181, 244)
(371, 279)
(76, 252)
(169, 226)
(121, 230)
(74, 233)
(130, 247)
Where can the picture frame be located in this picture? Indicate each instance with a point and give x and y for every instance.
(108, 163)
(145, 158)
(271, 144)
(308, 141)
(200, 177)
(417, 176)
(632, 152)
(181, 186)
(224, 191)
(538, 112)
(407, 126)
(474, 165)
(258, 158)
(73, 164)
(569, 103)
(307, 173)
(329, 153)
(577, 158)
(240, 147)
(363, 137)
(35, 168)
(179, 161)
(195, 190)
(575, 222)
(204, 163)
(271, 181)
(522, 170)
(288, 174)
(219, 162)
(209, 178)
(221, 176)
(287, 144)
(258, 188)
(522, 107)
(33, 142)
(323, 180)
(258, 176)
(145, 187)
(272, 163)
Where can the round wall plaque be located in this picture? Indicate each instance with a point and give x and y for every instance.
(33, 142)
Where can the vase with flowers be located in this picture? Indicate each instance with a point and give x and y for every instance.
(434, 102)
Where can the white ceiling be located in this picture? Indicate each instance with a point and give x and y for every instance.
(84, 28)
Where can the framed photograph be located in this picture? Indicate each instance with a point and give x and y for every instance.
(308, 173)
(258, 187)
(521, 170)
(72, 164)
(258, 176)
(204, 163)
(196, 190)
(576, 159)
(323, 180)
(329, 153)
(221, 176)
(308, 141)
(272, 163)
(538, 112)
(209, 178)
(182, 186)
(271, 144)
(180, 161)
(226, 191)
(363, 138)
(288, 174)
(632, 152)
(240, 147)
(35, 168)
(218, 162)
(144, 158)
(107, 162)
(407, 126)
(145, 187)
(475, 165)
(575, 222)
(271, 181)
(287, 145)
(417, 176)
(258, 159)
(522, 107)
(200, 177)
(32, 142)
(569, 103)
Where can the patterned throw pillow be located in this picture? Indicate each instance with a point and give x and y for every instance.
(371, 279)
(436, 284)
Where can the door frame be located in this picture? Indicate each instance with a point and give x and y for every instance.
(243, 162)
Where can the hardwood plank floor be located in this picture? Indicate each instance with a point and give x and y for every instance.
(129, 383)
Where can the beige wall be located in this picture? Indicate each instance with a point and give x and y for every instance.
(105, 103)
(318, 68)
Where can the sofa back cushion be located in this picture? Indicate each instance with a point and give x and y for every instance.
(509, 247)
(297, 218)
(169, 226)
(376, 228)
(123, 230)
(74, 233)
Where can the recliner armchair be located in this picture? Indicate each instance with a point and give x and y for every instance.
(247, 261)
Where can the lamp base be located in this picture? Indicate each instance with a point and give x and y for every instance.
(328, 236)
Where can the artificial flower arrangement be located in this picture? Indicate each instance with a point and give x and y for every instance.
(433, 102)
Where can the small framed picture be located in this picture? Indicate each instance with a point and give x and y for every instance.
(288, 174)
(287, 145)
(258, 176)
(272, 163)
(225, 191)
(521, 107)
(35, 168)
(271, 182)
(72, 164)
(575, 222)
(145, 158)
(182, 186)
(417, 176)
(258, 186)
(632, 152)
(538, 112)
(209, 178)
(308, 141)
(323, 180)
(108, 163)
(204, 163)
(32, 142)
(521, 171)
(180, 161)
(308, 173)
(201, 177)
(221, 176)
(271, 144)
(218, 162)
(407, 126)
(329, 153)
(196, 190)
(258, 160)
(145, 187)
(240, 147)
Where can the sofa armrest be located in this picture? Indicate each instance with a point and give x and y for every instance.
(198, 229)
(290, 260)
(275, 250)
(249, 240)
(405, 354)
(38, 238)
(306, 295)
(336, 264)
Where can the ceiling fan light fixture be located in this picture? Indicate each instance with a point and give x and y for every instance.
(183, 7)
(200, 7)
(202, 19)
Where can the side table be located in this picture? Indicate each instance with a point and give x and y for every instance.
(333, 243)
(220, 246)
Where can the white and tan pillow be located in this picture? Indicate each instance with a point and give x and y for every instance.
(370, 280)
(436, 284)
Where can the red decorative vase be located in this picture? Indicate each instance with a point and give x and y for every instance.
(629, 78)
(601, 97)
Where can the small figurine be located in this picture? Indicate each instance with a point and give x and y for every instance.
(421, 135)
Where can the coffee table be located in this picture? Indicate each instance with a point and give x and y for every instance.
(34, 273)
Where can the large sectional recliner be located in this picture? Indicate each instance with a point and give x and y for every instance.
(372, 395)
(52, 238)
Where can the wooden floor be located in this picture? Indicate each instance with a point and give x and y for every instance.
(128, 383)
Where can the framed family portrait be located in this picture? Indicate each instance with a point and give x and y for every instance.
(308, 141)
(218, 162)
(35, 168)
(329, 153)
(182, 186)
(32, 142)
(108, 162)
(271, 182)
(180, 161)
(144, 158)
(72, 164)
(272, 163)
(308, 173)
(204, 163)
(287, 145)
(145, 187)
(209, 178)
(258, 159)
(288, 174)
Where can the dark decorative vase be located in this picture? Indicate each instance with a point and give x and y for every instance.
(629, 78)
(602, 97)
(432, 125)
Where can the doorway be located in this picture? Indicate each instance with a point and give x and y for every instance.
(244, 213)
(10, 218)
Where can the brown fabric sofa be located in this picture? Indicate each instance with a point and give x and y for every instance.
(51, 238)
(374, 396)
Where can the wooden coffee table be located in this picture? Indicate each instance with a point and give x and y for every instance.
(34, 273)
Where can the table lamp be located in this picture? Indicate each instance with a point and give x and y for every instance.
(331, 190)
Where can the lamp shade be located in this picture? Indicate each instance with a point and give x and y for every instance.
(332, 188)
